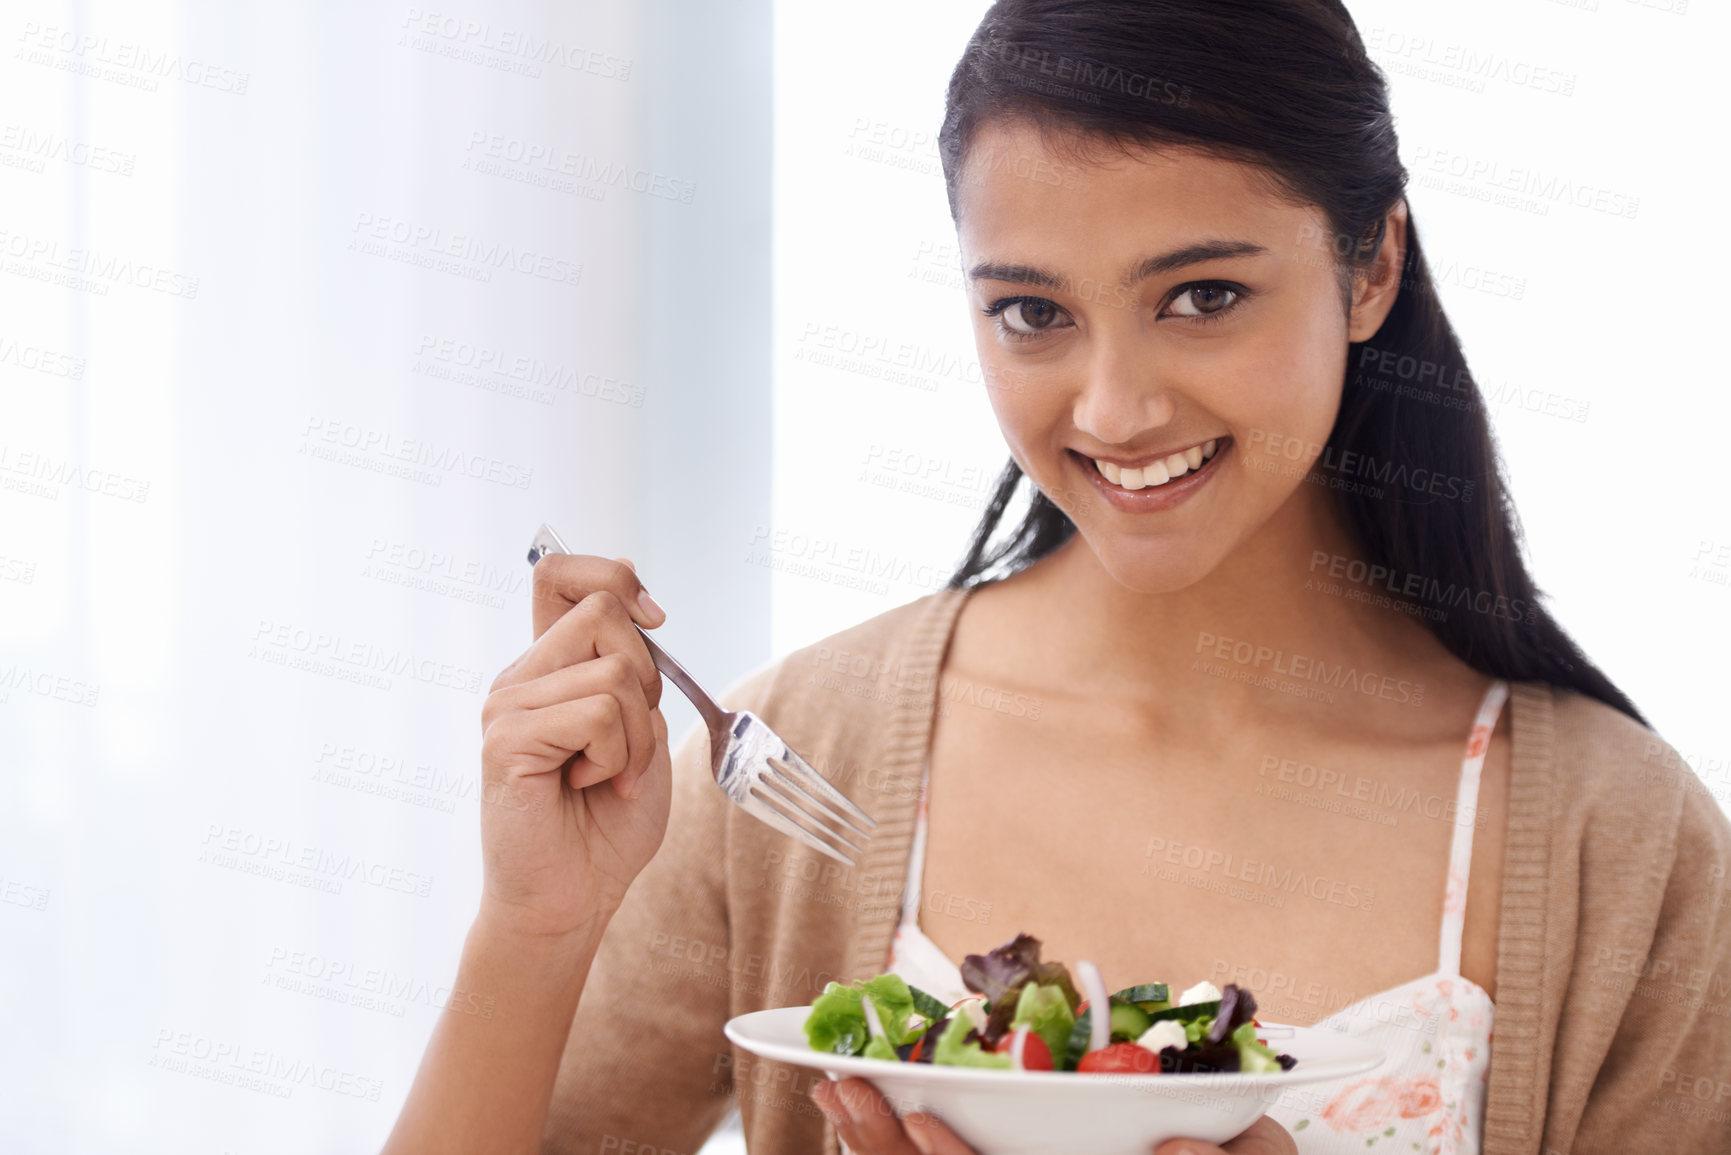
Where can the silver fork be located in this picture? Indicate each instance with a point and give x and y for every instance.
(752, 765)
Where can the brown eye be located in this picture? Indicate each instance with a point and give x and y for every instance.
(1030, 315)
(1203, 300)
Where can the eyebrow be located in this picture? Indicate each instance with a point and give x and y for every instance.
(1152, 266)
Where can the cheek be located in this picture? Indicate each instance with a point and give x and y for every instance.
(1013, 404)
(1287, 384)
(1025, 402)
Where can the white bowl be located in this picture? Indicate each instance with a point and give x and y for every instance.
(1040, 1112)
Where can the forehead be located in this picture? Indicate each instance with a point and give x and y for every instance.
(1018, 195)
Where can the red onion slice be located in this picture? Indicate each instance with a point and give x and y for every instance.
(874, 1024)
(1099, 1009)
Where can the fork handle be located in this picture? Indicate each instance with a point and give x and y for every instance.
(714, 717)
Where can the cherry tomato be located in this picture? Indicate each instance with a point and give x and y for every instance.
(1120, 1059)
(1036, 1056)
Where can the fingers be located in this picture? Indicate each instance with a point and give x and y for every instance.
(599, 624)
(868, 1125)
(862, 1118)
(1263, 1137)
(874, 1121)
(562, 580)
(612, 675)
(932, 1137)
(529, 742)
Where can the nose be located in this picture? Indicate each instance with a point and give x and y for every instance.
(1122, 395)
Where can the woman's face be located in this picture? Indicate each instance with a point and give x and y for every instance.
(1165, 341)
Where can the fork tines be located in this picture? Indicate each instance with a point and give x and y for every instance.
(792, 797)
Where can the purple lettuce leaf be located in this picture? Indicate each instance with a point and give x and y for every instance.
(1001, 973)
(1003, 969)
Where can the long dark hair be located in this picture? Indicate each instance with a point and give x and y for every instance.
(1287, 85)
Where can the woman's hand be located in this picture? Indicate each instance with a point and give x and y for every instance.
(868, 1126)
(1264, 1137)
(575, 784)
(576, 772)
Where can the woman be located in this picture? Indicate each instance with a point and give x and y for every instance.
(1258, 691)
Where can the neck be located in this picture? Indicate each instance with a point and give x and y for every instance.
(1264, 611)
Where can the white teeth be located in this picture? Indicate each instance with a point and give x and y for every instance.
(1158, 472)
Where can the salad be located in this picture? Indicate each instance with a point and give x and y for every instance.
(1028, 1015)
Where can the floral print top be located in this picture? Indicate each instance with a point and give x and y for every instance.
(1429, 1095)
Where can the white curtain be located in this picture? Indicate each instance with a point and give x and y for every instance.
(309, 315)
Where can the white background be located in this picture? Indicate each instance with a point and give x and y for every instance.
(122, 933)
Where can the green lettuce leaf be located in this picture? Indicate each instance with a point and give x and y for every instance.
(953, 1052)
(878, 1049)
(1254, 1057)
(1046, 1010)
(894, 1004)
(837, 1023)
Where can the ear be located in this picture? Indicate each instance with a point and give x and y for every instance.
(1375, 289)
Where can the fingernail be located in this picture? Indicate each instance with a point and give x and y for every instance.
(651, 609)
(636, 788)
(916, 1133)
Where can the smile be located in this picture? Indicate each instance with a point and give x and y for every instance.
(1161, 470)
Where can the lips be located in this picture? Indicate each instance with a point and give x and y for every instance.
(1166, 493)
(1160, 471)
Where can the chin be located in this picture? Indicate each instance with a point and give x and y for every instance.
(1164, 567)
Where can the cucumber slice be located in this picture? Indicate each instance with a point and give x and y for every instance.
(1184, 1014)
(1078, 1044)
(1121, 1012)
(1144, 993)
(1129, 1021)
(927, 1005)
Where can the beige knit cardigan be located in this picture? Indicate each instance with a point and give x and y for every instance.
(1613, 1015)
